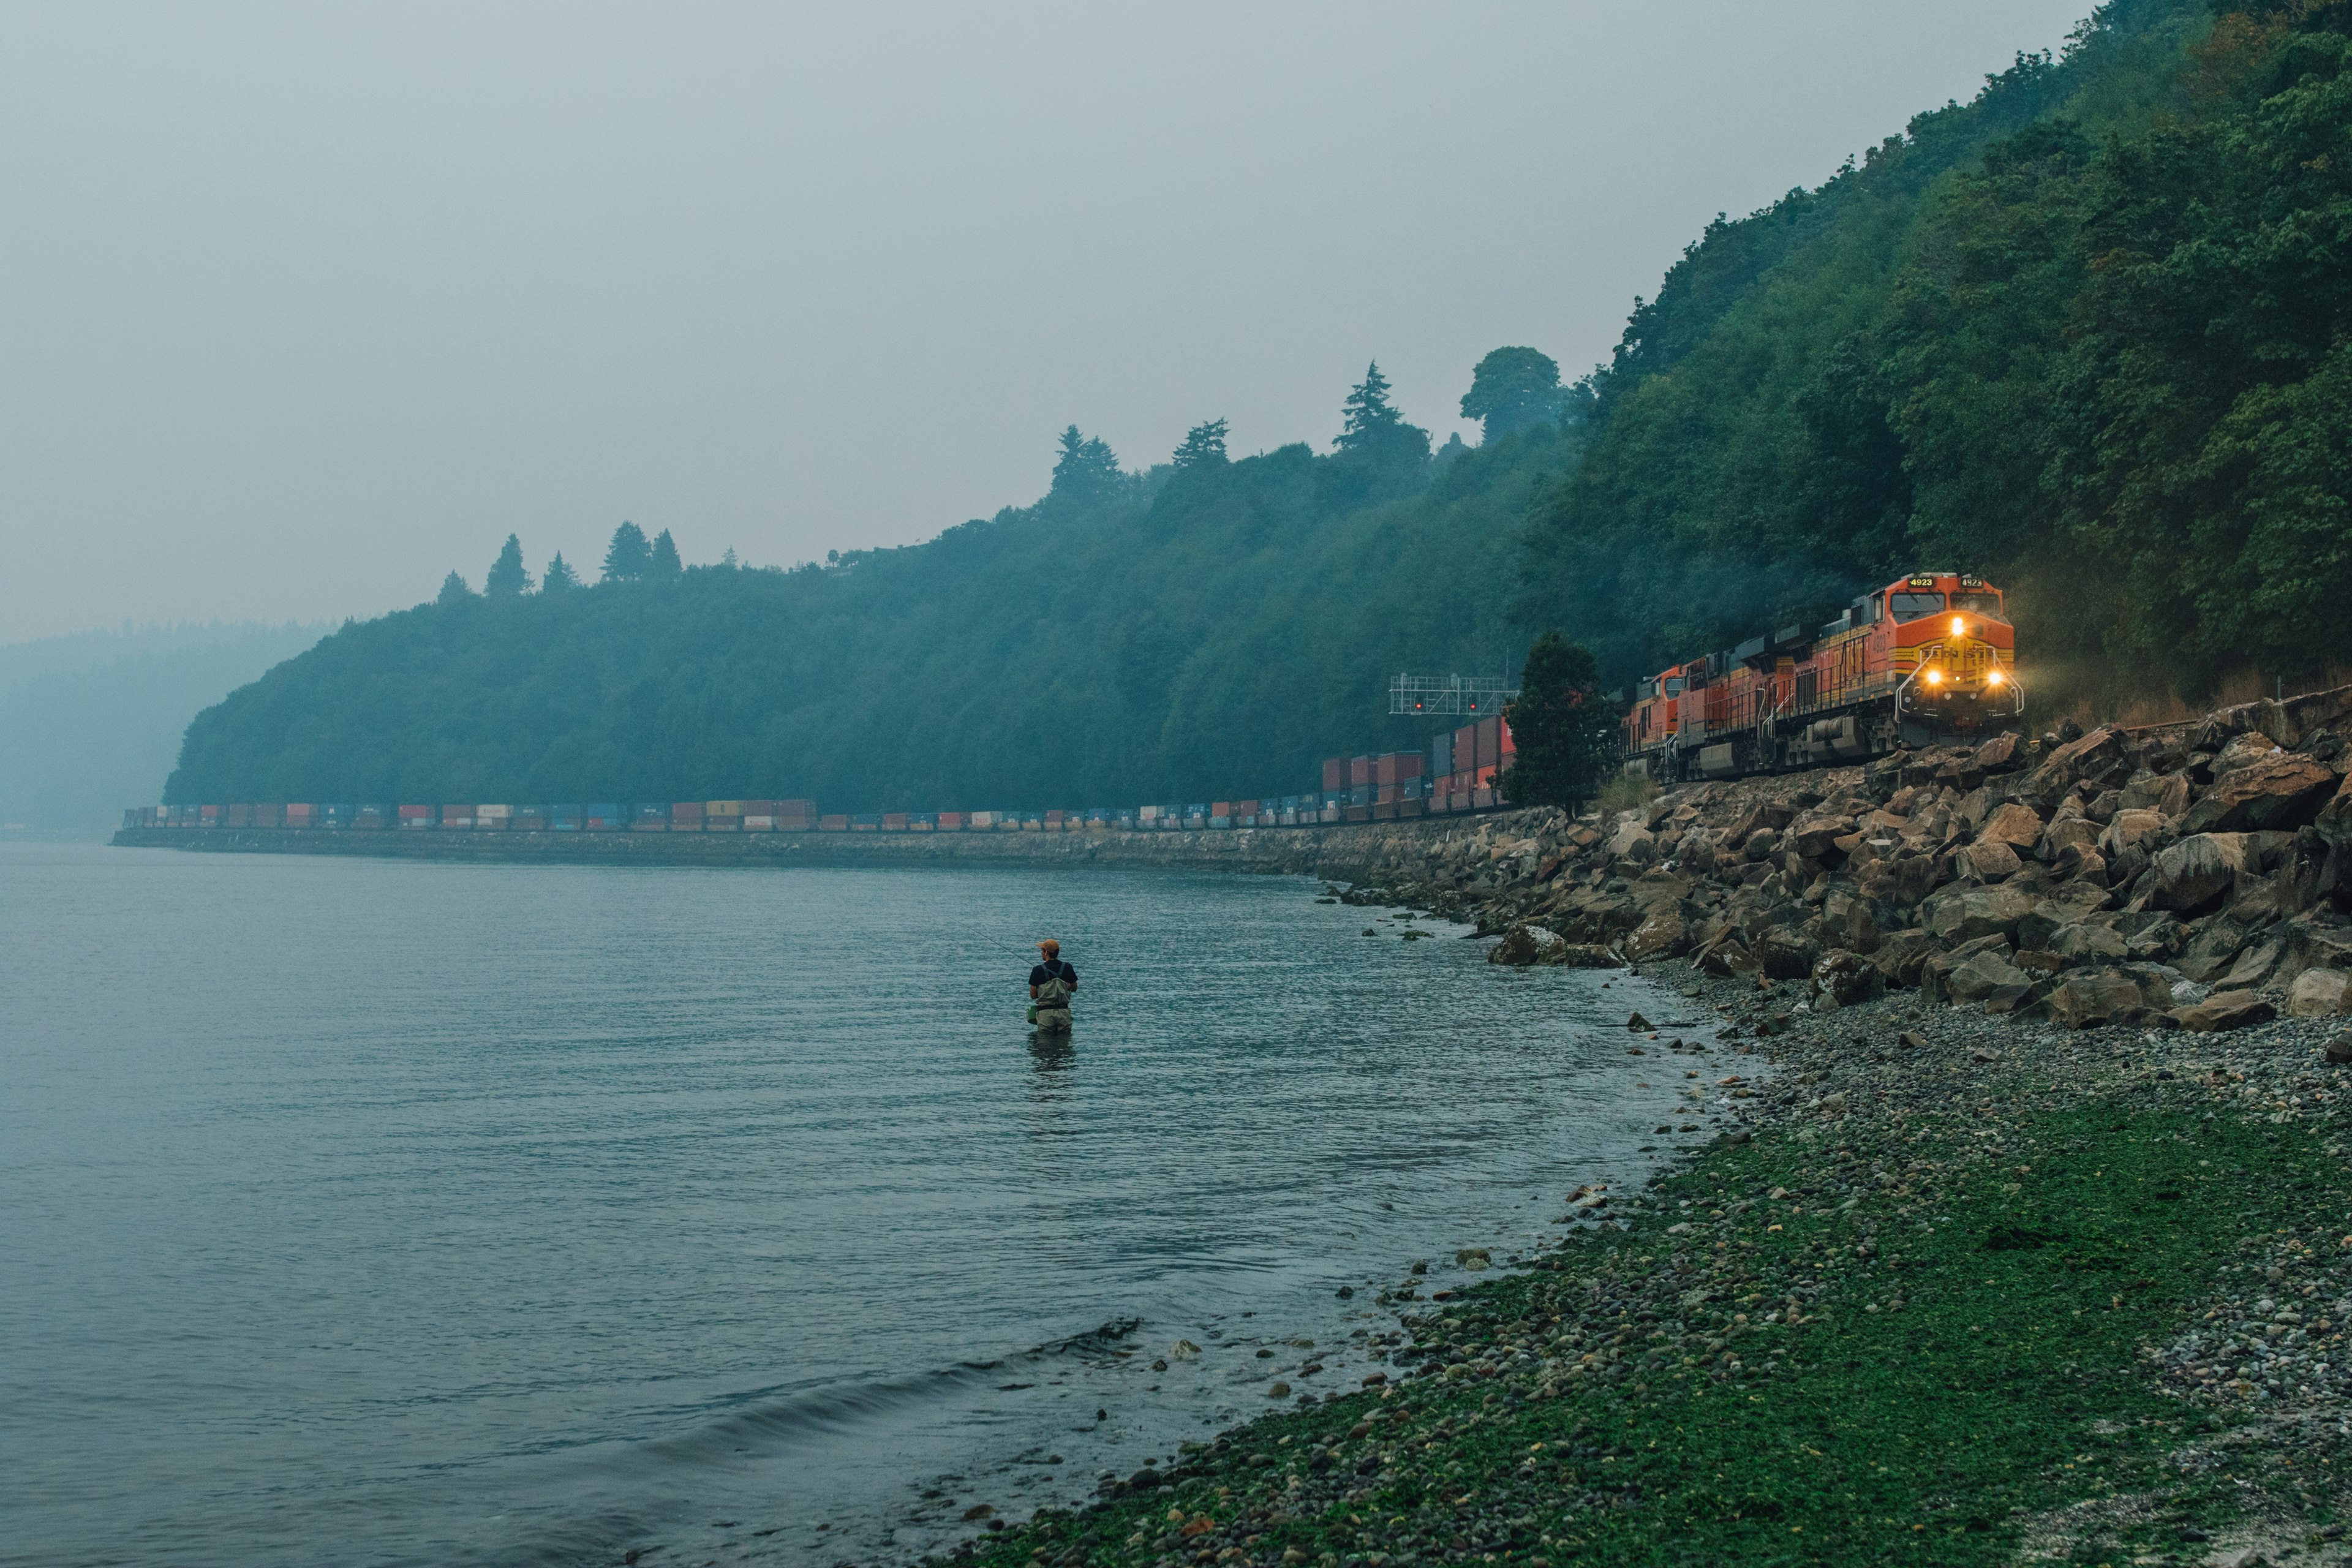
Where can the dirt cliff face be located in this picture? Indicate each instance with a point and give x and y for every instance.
(2194, 875)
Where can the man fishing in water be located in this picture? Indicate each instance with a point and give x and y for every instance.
(1050, 985)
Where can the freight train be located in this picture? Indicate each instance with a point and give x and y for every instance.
(1929, 657)
(1456, 772)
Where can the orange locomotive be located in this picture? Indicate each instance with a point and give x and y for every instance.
(1925, 658)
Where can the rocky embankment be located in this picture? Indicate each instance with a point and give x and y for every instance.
(2192, 877)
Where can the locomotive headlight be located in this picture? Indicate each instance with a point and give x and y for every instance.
(1935, 678)
(1992, 678)
(1959, 626)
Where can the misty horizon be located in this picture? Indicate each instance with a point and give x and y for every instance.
(308, 310)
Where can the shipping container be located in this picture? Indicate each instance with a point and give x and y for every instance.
(564, 818)
(711, 808)
(712, 823)
(208, 816)
(237, 816)
(1147, 814)
(1440, 754)
(1363, 794)
(530, 819)
(493, 817)
(921, 822)
(452, 817)
(1386, 794)
(1465, 748)
(607, 816)
(894, 822)
(1335, 775)
(867, 823)
(371, 819)
(338, 815)
(1488, 742)
(1359, 771)
(979, 820)
(834, 824)
(951, 821)
(1031, 822)
(418, 815)
(759, 822)
(1054, 819)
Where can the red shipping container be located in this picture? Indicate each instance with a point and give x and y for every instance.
(1247, 807)
(1223, 808)
(416, 816)
(1465, 748)
(1488, 738)
(951, 821)
(686, 816)
(1335, 775)
(1359, 771)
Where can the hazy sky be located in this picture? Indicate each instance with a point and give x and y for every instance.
(301, 306)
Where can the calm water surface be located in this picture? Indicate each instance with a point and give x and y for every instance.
(375, 1213)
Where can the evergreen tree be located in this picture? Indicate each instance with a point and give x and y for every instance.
(665, 561)
(1086, 471)
(1202, 444)
(1563, 727)
(453, 591)
(1373, 429)
(507, 580)
(626, 558)
(1512, 389)
(559, 577)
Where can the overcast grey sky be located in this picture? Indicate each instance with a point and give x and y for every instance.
(301, 306)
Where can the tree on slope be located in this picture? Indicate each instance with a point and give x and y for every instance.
(626, 558)
(507, 580)
(665, 561)
(1512, 389)
(559, 577)
(1086, 471)
(1373, 428)
(1561, 724)
(1203, 444)
(453, 591)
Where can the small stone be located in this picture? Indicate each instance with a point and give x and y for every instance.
(2339, 1049)
(1279, 1391)
(1639, 1022)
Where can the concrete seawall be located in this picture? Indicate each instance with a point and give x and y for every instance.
(1348, 850)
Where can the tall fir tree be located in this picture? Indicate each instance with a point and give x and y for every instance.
(1086, 471)
(1203, 444)
(508, 579)
(1561, 724)
(664, 562)
(559, 577)
(626, 558)
(453, 591)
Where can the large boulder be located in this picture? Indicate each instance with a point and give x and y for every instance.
(2000, 754)
(1841, 979)
(2198, 872)
(2077, 833)
(2081, 944)
(1726, 956)
(2320, 993)
(1524, 944)
(2103, 756)
(2227, 1010)
(1629, 836)
(2334, 818)
(1785, 953)
(1665, 934)
(2133, 828)
(2278, 791)
(1963, 914)
(1816, 836)
(1900, 954)
(2210, 952)
(1991, 860)
(2012, 823)
(2086, 1001)
(1979, 977)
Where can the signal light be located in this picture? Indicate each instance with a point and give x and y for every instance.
(1958, 626)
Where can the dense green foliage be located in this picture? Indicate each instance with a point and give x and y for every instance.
(2085, 334)
(1564, 726)
(1215, 627)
